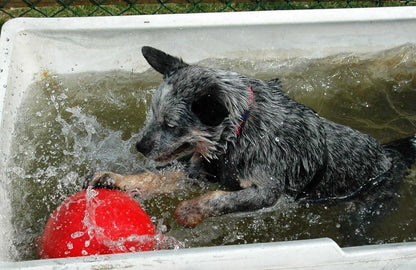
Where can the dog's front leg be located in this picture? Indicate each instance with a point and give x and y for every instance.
(147, 183)
(215, 203)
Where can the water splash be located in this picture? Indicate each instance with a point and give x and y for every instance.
(132, 243)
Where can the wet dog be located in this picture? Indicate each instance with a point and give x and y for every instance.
(252, 138)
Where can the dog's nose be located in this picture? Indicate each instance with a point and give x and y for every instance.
(143, 147)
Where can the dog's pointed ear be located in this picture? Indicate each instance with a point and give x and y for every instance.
(209, 109)
(162, 62)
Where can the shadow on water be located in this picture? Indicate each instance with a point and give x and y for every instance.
(72, 125)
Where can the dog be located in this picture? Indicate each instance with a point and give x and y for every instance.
(253, 139)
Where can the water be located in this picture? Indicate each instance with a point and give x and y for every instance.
(72, 125)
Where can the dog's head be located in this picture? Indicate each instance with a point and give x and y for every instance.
(195, 109)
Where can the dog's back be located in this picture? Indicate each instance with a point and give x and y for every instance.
(316, 157)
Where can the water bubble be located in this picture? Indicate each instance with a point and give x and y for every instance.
(77, 234)
(277, 139)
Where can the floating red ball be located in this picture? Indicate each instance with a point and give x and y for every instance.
(96, 221)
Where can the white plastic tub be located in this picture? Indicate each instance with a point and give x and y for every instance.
(67, 45)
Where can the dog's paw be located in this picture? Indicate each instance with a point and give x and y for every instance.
(101, 179)
(190, 213)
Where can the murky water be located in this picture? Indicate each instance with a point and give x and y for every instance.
(72, 125)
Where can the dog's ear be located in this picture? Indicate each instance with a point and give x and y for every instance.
(162, 62)
(209, 109)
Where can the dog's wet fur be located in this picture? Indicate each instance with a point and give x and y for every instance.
(257, 142)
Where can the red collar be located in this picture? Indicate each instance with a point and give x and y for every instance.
(246, 113)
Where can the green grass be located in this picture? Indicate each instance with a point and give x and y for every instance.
(223, 6)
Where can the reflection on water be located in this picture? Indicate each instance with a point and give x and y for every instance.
(72, 125)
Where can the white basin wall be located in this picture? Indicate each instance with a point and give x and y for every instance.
(32, 47)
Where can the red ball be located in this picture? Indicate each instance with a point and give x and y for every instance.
(96, 221)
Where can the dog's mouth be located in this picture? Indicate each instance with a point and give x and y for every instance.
(185, 148)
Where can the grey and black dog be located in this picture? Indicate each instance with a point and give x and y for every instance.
(252, 138)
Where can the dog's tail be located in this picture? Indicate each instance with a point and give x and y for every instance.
(406, 147)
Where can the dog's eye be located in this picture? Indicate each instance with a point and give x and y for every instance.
(169, 125)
